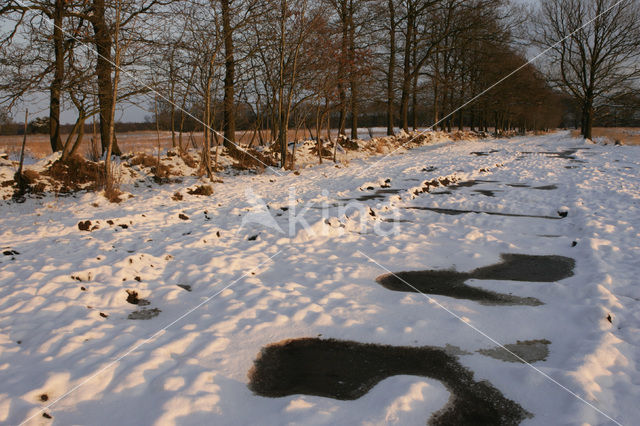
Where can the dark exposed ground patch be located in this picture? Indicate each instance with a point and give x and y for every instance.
(456, 212)
(528, 351)
(144, 314)
(514, 267)
(184, 286)
(347, 370)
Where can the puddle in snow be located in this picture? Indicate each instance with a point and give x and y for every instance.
(144, 314)
(542, 188)
(484, 154)
(514, 267)
(487, 192)
(528, 351)
(456, 212)
(380, 194)
(347, 370)
(470, 183)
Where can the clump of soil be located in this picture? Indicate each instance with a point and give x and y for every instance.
(84, 225)
(514, 267)
(183, 216)
(177, 196)
(347, 370)
(132, 297)
(434, 183)
(201, 190)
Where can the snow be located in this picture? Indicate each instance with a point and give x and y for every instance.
(307, 273)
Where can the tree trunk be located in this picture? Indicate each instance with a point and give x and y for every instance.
(342, 66)
(78, 142)
(229, 124)
(58, 77)
(353, 75)
(391, 69)
(587, 113)
(104, 68)
(406, 72)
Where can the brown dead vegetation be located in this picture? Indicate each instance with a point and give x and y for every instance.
(113, 194)
(74, 174)
(201, 190)
(250, 158)
(160, 172)
(326, 152)
(615, 135)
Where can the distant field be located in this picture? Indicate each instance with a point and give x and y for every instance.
(147, 141)
(626, 135)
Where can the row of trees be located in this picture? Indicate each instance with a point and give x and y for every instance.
(266, 65)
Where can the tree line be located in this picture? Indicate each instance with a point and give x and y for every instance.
(266, 66)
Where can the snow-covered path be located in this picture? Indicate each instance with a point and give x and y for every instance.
(64, 315)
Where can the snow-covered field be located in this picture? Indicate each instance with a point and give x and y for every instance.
(227, 275)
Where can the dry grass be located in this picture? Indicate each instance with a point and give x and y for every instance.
(113, 194)
(74, 172)
(146, 160)
(625, 135)
(381, 146)
(250, 158)
(201, 190)
(140, 141)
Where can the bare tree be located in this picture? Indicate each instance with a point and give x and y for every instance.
(595, 47)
